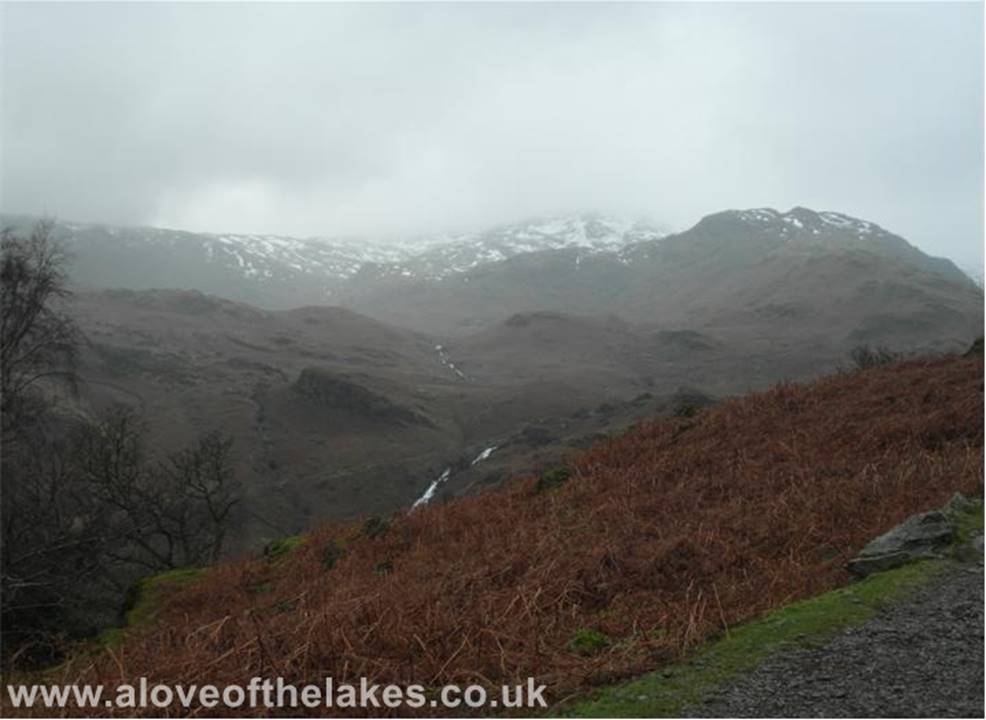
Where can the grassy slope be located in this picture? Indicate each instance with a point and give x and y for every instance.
(659, 541)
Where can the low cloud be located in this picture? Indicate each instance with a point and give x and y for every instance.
(402, 119)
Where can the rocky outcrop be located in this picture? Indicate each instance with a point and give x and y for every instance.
(335, 391)
(917, 537)
(920, 536)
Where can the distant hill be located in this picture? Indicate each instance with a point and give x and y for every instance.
(277, 272)
(735, 273)
(822, 274)
(331, 412)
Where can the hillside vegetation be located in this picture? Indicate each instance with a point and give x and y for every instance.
(652, 543)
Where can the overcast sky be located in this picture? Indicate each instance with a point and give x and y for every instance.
(401, 119)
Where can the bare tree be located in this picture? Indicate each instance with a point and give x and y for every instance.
(160, 515)
(45, 551)
(85, 511)
(38, 340)
(53, 579)
(87, 515)
(203, 477)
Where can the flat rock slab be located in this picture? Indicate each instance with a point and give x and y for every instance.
(918, 536)
(921, 658)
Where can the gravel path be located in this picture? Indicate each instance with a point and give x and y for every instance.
(920, 658)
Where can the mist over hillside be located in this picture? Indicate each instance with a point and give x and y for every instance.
(526, 340)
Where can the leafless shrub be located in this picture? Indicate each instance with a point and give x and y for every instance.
(864, 356)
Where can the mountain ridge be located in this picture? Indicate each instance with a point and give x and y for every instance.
(280, 272)
(688, 278)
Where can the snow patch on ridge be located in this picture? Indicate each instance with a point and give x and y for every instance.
(276, 258)
(803, 220)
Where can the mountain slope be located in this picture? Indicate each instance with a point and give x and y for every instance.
(777, 273)
(265, 270)
(277, 272)
(649, 548)
(330, 412)
(333, 413)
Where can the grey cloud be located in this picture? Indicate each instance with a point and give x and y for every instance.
(396, 119)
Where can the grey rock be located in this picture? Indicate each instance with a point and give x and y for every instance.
(957, 505)
(917, 537)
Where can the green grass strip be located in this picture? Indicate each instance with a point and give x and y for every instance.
(669, 691)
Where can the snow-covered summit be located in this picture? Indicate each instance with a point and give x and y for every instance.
(258, 255)
(463, 252)
(264, 267)
(594, 232)
(803, 221)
